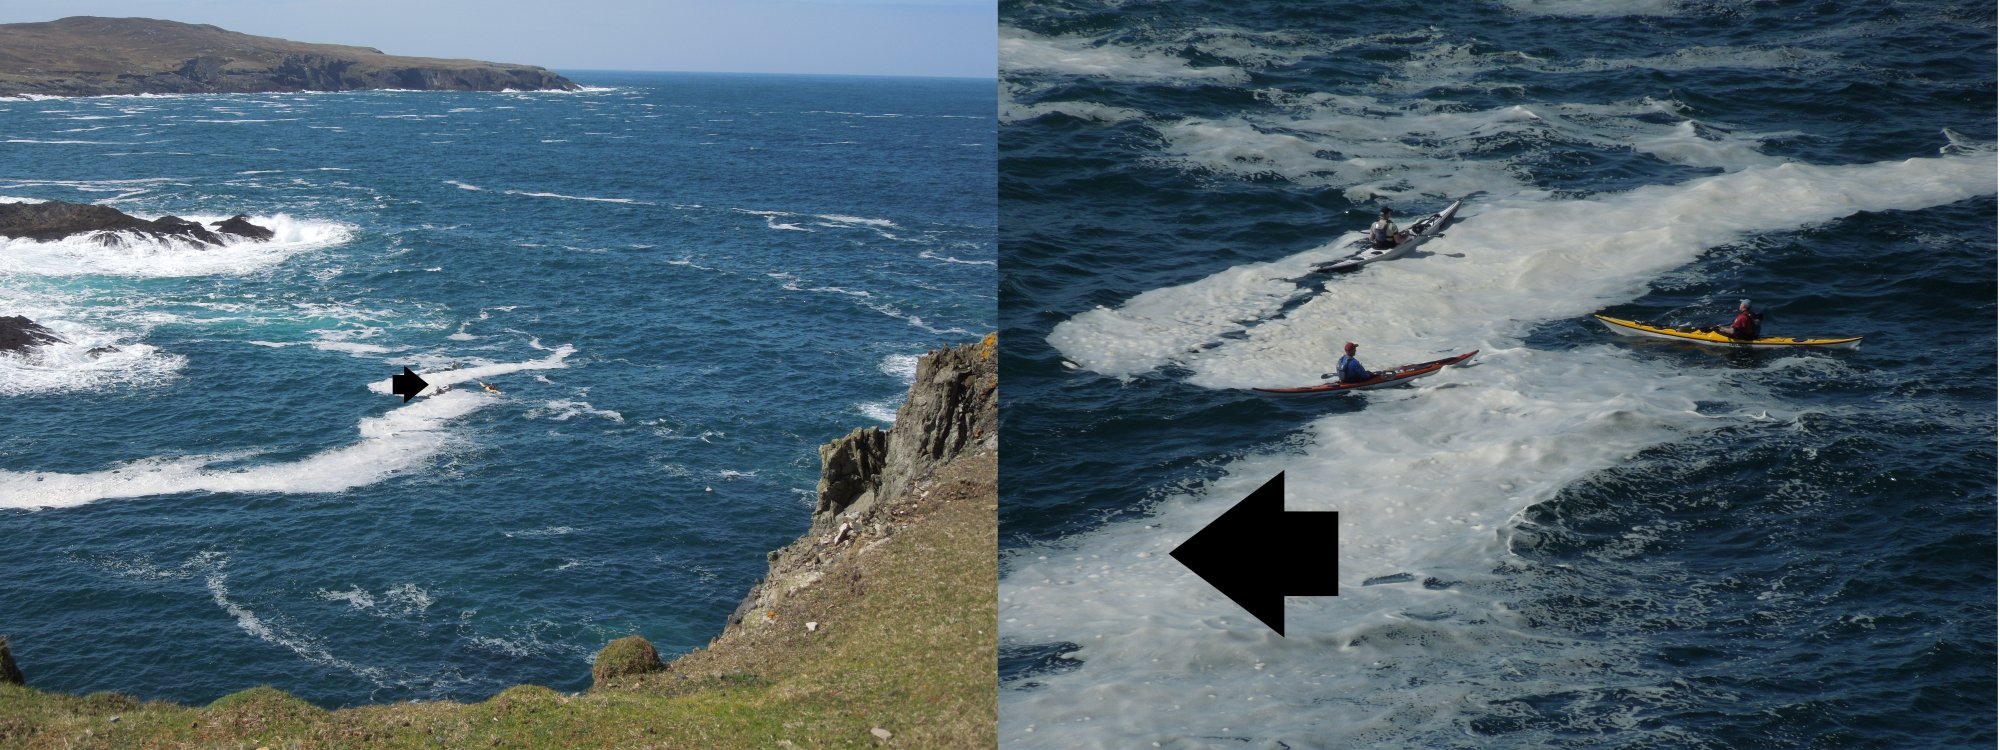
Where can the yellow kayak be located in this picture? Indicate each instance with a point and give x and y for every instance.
(1711, 338)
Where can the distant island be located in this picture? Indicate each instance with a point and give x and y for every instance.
(90, 56)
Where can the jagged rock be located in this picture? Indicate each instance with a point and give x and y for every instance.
(172, 226)
(19, 334)
(240, 226)
(954, 403)
(100, 351)
(9, 671)
(54, 220)
(850, 470)
(630, 655)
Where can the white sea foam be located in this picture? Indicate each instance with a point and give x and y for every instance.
(948, 259)
(395, 442)
(900, 366)
(1372, 149)
(65, 142)
(352, 348)
(390, 444)
(357, 597)
(546, 531)
(843, 219)
(409, 599)
(576, 197)
(306, 647)
(463, 186)
(771, 219)
(880, 411)
(563, 411)
(440, 378)
(1024, 51)
(82, 255)
(69, 366)
(897, 313)
(1428, 481)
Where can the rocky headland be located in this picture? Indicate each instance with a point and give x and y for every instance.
(55, 220)
(91, 56)
(871, 478)
(877, 628)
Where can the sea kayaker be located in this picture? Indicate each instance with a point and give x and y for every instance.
(1747, 325)
(1349, 369)
(1383, 234)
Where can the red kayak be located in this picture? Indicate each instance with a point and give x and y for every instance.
(1382, 379)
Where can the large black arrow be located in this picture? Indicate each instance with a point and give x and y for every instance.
(407, 385)
(1257, 554)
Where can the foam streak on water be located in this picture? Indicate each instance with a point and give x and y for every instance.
(395, 442)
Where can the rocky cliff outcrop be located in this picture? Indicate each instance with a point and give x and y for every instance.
(870, 477)
(55, 220)
(87, 56)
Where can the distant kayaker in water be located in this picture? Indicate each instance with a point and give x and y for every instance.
(1747, 325)
(1383, 234)
(1349, 369)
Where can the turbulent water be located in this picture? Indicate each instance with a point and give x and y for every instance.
(1580, 540)
(678, 284)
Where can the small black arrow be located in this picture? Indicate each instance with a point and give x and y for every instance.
(1257, 553)
(407, 385)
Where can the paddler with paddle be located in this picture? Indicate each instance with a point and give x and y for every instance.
(1349, 369)
(1747, 325)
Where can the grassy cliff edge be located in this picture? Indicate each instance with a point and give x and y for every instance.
(876, 629)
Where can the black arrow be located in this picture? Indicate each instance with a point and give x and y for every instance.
(1257, 554)
(407, 385)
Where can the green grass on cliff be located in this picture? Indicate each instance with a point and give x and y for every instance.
(905, 643)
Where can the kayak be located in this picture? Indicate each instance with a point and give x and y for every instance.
(1382, 379)
(1709, 337)
(1419, 233)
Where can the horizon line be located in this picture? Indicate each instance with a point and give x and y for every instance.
(560, 69)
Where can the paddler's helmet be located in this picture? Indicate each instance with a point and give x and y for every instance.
(1385, 210)
(1743, 304)
(1349, 348)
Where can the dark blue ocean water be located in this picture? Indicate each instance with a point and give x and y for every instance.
(1583, 541)
(680, 285)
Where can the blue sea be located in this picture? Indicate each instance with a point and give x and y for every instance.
(1579, 540)
(677, 286)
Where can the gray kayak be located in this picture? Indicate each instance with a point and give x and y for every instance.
(1419, 233)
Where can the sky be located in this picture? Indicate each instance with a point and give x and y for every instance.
(851, 37)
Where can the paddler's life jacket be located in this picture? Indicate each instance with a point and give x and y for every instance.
(1384, 232)
(1351, 371)
(1748, 325)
